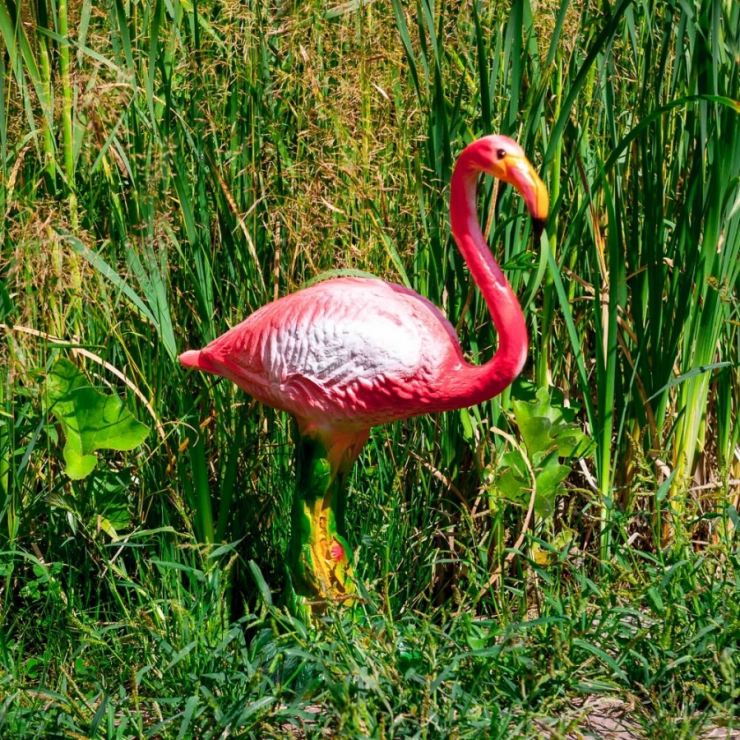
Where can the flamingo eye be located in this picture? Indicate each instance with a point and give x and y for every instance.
(500, 153)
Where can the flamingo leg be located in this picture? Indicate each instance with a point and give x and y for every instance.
(319, 557)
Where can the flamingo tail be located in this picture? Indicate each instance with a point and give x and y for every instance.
(192, 358)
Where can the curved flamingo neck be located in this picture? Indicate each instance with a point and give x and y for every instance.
(478, 383)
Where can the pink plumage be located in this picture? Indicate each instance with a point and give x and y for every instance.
(349, 353)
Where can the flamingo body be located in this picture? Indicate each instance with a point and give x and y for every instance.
(347, 353)
(350, 353)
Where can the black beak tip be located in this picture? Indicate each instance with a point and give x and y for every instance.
(538, 225)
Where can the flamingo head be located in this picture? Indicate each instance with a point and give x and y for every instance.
(501, 157)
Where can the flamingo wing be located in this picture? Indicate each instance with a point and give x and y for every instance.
(349, 351)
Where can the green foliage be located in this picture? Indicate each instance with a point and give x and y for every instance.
(594, 649)
(90, 420)
(552, 440)
(168, 167)
(44, 584)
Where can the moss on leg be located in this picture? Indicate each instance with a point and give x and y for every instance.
(319, 558)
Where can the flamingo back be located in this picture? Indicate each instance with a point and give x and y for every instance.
(347, 352)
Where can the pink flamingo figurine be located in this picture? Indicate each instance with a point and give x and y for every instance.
(346, 354)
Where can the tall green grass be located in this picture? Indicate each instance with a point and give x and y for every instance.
(168, 167)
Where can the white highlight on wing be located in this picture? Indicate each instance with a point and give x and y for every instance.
(338, 350)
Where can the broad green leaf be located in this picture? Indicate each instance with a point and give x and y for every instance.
(551, 439)
(549, 481)
(90, 419)
(546, 424)
(512, 487)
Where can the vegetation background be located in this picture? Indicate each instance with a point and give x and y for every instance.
(562, 559)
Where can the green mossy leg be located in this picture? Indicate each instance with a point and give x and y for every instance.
(319, 557)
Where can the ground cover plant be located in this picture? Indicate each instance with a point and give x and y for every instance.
(561, 559)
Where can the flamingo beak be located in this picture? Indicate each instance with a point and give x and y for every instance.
(521, 174)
